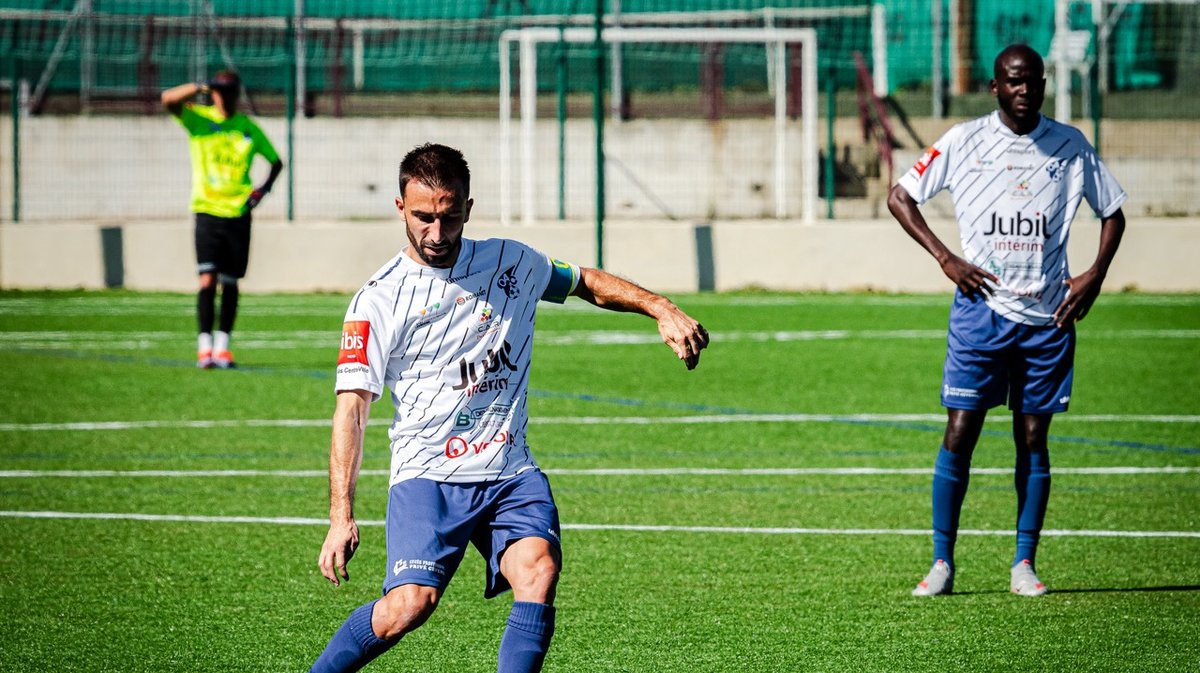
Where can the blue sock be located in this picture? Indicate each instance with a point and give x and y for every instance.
(353, 646)
(527, 638)
(951, 474)
(1032, 479)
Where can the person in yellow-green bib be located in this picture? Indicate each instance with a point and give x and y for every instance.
(223, 143)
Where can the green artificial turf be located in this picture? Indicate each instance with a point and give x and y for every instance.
(765, 512)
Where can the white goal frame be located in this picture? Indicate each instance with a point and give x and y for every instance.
(775, 40)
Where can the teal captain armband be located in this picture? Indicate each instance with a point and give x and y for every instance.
(564, 276)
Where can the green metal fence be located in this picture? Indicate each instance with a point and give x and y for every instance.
(421, 61)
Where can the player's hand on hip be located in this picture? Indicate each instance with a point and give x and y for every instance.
(969, 278)
(1082, 291)
(254, 199)
(340, 545)
(684, 335)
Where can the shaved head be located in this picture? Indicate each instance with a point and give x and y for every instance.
(1018, 52)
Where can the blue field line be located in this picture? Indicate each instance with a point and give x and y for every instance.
(170, 363)
(921, 427)
(634, 528)
(632, 402)
(1064, 439)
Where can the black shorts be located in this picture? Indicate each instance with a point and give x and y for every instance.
(222, 244)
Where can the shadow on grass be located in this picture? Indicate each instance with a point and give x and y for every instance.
(1102, 590)
(1095, 590)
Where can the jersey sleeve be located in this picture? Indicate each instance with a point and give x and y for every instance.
(931, 173)
(1100, 188)
(262, 144)
(191, 120)
(367, 334)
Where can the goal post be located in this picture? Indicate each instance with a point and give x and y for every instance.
(775, 40)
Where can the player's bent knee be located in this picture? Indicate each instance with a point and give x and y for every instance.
(402, 610)
(534, 578)
(226, 279)
(541, 571)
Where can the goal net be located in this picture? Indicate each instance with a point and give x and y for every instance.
(712, 119)
(1099, 46)
(759, 162)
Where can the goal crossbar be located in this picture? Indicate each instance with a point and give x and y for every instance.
(775, 39)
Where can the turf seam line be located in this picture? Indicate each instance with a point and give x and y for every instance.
(638, 528)
(1167, 419)
(609, 472)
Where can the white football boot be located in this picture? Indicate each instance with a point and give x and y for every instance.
(939, 581)
(1025, 582)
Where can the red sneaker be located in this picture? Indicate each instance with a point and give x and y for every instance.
(204, 360)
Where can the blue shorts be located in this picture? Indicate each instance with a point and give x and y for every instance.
(991, 359)
(429, 524)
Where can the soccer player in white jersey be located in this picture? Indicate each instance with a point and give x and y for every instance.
(1016, 179)
(447, 326)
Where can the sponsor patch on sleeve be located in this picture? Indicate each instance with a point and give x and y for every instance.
(926, 159)
(355, 335)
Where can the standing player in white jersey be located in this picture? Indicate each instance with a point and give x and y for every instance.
(1016, 179)
(447, 325)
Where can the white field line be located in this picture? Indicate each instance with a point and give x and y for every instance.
(611, 338)
(183, 306)
(901, 301)
(84, 426)
(150, 425)
(289, 340)
(743, 530)
(600, 472)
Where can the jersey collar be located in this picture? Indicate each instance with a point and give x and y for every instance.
(999, 127)
(464, 254)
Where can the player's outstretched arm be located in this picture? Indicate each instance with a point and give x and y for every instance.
(345, 458)
(968, 277)
(681, 332)
(1083, 289)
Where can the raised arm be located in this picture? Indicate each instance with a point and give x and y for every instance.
(1083, 289)
(680, 331)
(968, 277)
(174, 98)
(345, 458)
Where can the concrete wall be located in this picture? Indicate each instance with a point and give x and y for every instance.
(81, 175)
(136, 168)
(1156, 255)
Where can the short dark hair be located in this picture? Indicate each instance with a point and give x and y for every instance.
(436, 166)
(228, 82)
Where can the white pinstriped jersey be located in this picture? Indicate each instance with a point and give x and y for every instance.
(1015, 197)
(454, 347)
